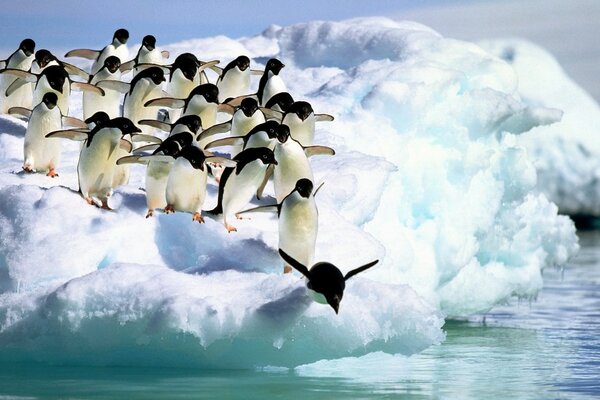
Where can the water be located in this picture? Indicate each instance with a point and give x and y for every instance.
(546, 349)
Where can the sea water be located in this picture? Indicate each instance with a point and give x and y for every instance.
(547, 348)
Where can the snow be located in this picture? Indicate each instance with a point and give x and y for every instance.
(429, 177)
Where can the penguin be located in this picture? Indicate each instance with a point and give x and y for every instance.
(280, 102)
(270, 82)
(186, 184)
(234, 79)
(147, 54)
(239, 183)
(202, 101)
(110, 103)
(144, 86)
(118, 47)
(20, 59)
(52, 79)
(41, 153)
(326, 283)
(44, 58)
(97, 170)
(262, 135)
(184, 77)
(191, 123)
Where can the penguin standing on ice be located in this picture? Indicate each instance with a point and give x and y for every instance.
(234, 79)
(326, 283)
(301, 119)
(110, 103)
(270, 82)
(118, 47)
(238, 184)
(20, 59)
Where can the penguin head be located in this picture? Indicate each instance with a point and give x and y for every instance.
(249, 106)
(274, 66)
(242, 62)
(99, 118)
(304, 187)
(301, 108)
(209, 91)
(56, 76)
(172, 145)
(27, 46)
(156, 74)
(192, 122)
(266, 155)
(124, 124)
(50, 99)
(194, 155)
(121, 36)
(43, 57)
(283, 99)
(328, 280)
(112, 64)
(188, 64)
(270, 128)
(283, 133)
(149, 42)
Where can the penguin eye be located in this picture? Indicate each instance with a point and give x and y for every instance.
(126, 126)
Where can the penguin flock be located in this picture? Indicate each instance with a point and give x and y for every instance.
(166, 117)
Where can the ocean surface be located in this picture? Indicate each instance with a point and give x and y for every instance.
(543, 349)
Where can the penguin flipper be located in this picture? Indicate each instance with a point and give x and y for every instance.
(324, 117)
(236, 101)
(27, 76)
(216, 69)
(3, 64)
(127, 66)
(165, 69)
(359, 269)
(142, 137)
(118, 86)
(318, 151)
(74, 122)
(228, 141)
(163, 126)
(256, 72)
(261, 209)
(134, 159)
(262, 186)
(272, 114)
(226, 162)
(208, 64)
(160, 157)
(170, 102)
(22, 111)
(165, 54)
(84, 53)
(148, 147)
(214, 130)
(87, 87)
(73, 70)
(226, 108)
(296, 264)
(78, 135)
(125, 145)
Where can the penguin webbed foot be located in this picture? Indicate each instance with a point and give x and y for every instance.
(52, 173)
(169, 209)
(105, 205)
(198, 217)
(89, 200)
(27, 168)
(287, 269)
(150, 213)
(230, 228)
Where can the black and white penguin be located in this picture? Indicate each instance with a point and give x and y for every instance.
(326, 283)
(20, 59)
(110, 103)
(270, 82)
(118, 47)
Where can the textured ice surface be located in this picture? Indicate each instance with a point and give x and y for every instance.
(429, 178)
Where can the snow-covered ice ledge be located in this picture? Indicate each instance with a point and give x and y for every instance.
(428, 177)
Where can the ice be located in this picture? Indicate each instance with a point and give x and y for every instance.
(429, 177)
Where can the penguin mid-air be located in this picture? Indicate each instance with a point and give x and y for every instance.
(97, 170)
(326, 282)
(270, 82)
(238, 184)
(118, 47)
(21, 59)
(144, 86)
(146, 56)
(110, 103)
(55, 79)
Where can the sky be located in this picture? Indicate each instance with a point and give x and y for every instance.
(568, 28)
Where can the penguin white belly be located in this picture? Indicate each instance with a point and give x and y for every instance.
(205, 110)
(317, 297)
(298, 226)
(239, 189)
(44, 87)
(147, 57)
(97, 162)
(242, 125)
(22, 97)
(235, 83)
(273, 86)
(180, 87)
(302, 131)
(292, 165)
(121, 172)
(133, 105)
(41, 153)
(157, 174)
(186, 187)
(260, 139)
(109, 103)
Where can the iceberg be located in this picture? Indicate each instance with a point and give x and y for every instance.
(429, 177)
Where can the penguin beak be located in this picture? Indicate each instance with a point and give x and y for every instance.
(335, 303)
